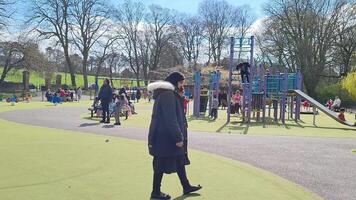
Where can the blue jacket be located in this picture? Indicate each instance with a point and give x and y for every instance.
(105, 94)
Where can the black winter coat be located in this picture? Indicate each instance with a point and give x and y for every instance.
(168, 123)
(105, 94)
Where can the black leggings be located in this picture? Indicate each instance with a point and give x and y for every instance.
(106, 113)
(157, 179)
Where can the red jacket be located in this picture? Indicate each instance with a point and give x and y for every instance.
(342, 117)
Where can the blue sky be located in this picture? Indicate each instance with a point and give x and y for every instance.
(191, 6)
(188, 6)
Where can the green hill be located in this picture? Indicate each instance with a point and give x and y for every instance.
(37, 79)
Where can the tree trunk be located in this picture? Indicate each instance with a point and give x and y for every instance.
(85, 70)
(110, 75)
(138, 79)
(3, 76)
(70, 67)
(5, 71)
(145, 75)
(310, 87)
(97, 79)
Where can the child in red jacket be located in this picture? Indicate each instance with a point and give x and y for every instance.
(341, 115)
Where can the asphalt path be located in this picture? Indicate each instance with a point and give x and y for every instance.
(325, 166)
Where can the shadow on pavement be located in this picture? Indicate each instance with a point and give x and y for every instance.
(88, 124)
(187, 196)
(108, 126)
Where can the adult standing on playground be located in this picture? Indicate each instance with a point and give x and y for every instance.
(138, 94)
(105, 96)
(167, 139)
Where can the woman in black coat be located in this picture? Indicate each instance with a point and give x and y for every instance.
(167, 139)
(105, 96)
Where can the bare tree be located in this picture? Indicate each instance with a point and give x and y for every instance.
(244, 21)
(130, 16)
(219, 20)
(56, 58)
(190, 37)
(5, 12)
(161, 26)
(145, 43)
(114, 63)
(345, 44)
(52, 20)
(305, 32)
(88, 26)
(13, 55)
(106, 46)
(21, 55)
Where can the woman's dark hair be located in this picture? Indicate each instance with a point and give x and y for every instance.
(107, 81)
(174, 78)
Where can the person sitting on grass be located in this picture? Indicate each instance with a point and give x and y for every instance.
(12, 100)
(56, 99)
(341, 115)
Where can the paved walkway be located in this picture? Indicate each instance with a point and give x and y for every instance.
(325, 166)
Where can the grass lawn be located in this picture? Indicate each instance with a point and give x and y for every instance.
(37, 79)
(326, 127)
(43, 163)
(37, 105)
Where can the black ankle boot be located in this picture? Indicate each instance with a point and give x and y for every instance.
(189, 189)
(160, 196)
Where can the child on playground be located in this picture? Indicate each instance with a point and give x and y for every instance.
(124, 103)
(329, 103)
(341, 115)
(306, 105)
(185, 104)
(120, 103)
(237, 101)
(244, 71)
(79, 93)
(214, 109)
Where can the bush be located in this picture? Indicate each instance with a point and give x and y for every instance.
(330, 91)
(349, 83)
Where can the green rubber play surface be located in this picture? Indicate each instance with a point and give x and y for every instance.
(43, 163)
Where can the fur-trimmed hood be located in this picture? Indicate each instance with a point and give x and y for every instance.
(160, 85)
